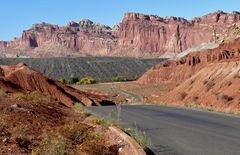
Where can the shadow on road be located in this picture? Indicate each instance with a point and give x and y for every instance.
(149, 151)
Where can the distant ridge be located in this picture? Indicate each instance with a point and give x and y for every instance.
(137, 35)
(100, 68)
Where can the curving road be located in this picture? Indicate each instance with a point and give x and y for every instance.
(137, 99)
(181, 131)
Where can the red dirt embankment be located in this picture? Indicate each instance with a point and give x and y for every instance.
(208, 79)
(185, 67)
(21, 78)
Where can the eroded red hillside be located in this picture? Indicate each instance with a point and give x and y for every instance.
(208, 79)
(183, 68)
(21, 78)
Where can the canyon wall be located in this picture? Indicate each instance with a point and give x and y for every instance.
(138, 35)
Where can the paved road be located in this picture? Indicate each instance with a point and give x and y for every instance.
(181, 131)
(137, 99)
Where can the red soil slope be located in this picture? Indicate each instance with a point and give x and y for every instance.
(22, 78)
(185, 67)
(206, 79)
(216, 86)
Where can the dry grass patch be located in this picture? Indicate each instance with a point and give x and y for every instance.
(95, 147)
(105, 121)
(139, 136)
(96, 144)
(36, 97)
(73, 131)
(3, 94)
(3, 125)
(73, 138)
(80, 108)
(20, 134)
(51, 145)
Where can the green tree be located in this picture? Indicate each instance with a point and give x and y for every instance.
(62, 80)
(72, 80)
(86, 80)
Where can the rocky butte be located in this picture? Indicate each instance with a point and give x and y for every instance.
(138, 35)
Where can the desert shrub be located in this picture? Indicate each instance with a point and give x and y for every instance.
(62, 80)
(24, 141)
(72, 80)
(228, 83)
(194, 98)
(20, 135)
(95, 135)
(86, 80)
(182, 95)
(107, 121)
(75, 132)
(36, 97)
(98, 121)
(119, 113)
(119, 79)
(205, 82)
(191, 82)
(122, 79)
(3, 125)
(209, 84)
(51, 145)
(87, 114)
(236, 76)
(94, 146)
(78, 107)
(139, 136)
(3, 94)
(225, 98)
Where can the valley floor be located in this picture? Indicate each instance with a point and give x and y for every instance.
(129, 92)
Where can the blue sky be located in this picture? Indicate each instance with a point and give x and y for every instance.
(19, 15)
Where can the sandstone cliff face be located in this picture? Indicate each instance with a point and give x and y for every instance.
(155, 36)
(82, 38)
(138, 35)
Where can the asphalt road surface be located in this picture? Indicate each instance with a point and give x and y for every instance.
(181, 131)
(137, 99)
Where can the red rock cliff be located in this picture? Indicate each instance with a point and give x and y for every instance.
(138, 35)
(155, 36)
(82, 38)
